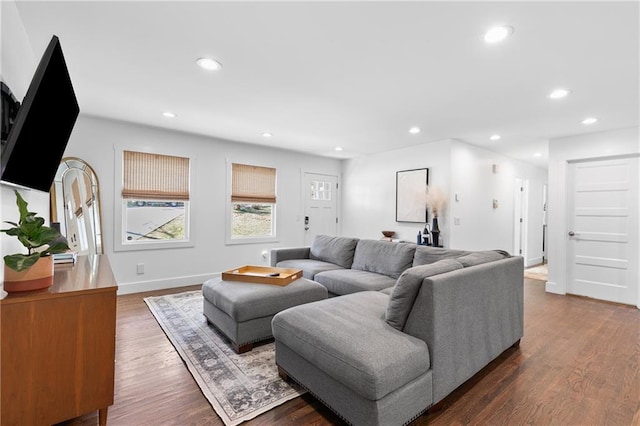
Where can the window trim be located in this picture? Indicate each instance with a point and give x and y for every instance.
(120, 210)
(229, 209)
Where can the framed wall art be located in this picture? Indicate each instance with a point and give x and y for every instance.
(411, 190)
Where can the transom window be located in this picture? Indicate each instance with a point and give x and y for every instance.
(321, 190)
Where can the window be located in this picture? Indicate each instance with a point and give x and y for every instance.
(253, 203)
(155, 199)
(321, 190)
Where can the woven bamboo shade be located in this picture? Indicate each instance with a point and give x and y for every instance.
(155, 176)
(253, 184)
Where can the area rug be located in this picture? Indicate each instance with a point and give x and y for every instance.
(538, 272)
(238, 386)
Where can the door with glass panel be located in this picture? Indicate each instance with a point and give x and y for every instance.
(320, 205)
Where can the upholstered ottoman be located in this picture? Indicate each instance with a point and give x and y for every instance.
(243, 311)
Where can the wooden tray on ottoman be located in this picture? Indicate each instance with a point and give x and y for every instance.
(262, 275)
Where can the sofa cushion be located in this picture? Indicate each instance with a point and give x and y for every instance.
(345, 281)
(348, 339)
(406, 289)
(338, 250)
(383, 257)
(387, 290)
(309, 267)
(425, 254)
(478, 257)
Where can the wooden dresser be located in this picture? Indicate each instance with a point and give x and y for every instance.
(58, 346)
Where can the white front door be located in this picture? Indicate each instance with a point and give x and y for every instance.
(320, 205)
(603, 230)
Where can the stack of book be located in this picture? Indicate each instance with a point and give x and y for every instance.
(67, 257)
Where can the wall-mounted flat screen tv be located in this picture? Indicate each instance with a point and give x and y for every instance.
(9, 106)
(38, 137)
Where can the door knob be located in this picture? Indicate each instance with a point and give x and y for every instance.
(571, 233)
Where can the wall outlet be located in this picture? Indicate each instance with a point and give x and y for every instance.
(140, 268)
(456, 221)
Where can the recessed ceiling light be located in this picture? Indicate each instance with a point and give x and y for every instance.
(414, 130)
(559, 93)
(338, 148)
(495, 137)
(497, 34)
(169, 114)
(266, 134)
(589, 120)
(209, 64)
(537, 154)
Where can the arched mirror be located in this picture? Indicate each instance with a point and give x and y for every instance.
(75, 206)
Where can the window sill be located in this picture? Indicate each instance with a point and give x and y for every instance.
(153, 245)
(254, 240)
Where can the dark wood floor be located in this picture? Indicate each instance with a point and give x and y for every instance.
(578, 364)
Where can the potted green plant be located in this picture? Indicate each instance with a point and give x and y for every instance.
(34, 270)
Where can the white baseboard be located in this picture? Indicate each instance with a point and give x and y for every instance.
(552, 287)
(533, 261)
(142, 286)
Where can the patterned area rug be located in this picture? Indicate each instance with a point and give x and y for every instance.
(239, 387)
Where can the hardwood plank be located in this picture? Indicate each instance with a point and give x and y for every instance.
(578, 363)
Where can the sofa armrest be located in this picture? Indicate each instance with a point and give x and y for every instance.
(280, 254)
(468, 317)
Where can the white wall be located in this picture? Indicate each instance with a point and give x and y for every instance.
(369, 195)
(561, 151)
(17, 66)
(17, 61)
(93, 140)
(369, 190)
(481, 227)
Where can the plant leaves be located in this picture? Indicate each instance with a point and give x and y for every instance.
(57, 247)
(21, 262)
(22, 206)
(33, 234)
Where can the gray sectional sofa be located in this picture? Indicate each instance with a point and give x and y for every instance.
(349, 265)
(412, 323)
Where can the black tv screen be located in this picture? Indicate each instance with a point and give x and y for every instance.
(37, 140)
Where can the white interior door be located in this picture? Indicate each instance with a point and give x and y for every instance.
(320, 205)
(544, 223)
(603, 230)
(518, 219)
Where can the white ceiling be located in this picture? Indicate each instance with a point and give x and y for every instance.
(352, 74)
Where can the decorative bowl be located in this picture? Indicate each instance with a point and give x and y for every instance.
(388, 234)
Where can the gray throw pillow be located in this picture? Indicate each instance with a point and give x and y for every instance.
(406, 290)
(336, 250)
(478, 257)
